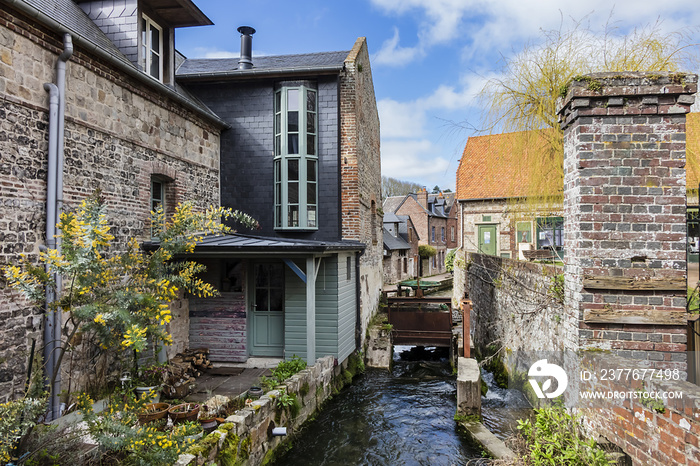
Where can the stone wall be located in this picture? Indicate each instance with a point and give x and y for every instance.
(518, 305)
(119, 132)
(246, 435)
(361, 175)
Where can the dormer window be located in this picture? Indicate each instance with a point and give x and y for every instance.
(151, 48)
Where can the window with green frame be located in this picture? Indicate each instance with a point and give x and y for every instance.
(550, 233)
(296, 156)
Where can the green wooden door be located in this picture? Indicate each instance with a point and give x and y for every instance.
(487, 239)
(267, 322)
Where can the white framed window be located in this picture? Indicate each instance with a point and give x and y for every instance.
(296, 156)
(151, 48)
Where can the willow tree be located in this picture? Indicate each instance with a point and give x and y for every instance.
(523, 98)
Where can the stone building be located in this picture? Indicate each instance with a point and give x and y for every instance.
(495, 218)
(136, 131)
(129, 131)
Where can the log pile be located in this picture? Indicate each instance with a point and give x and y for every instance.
(182, 370)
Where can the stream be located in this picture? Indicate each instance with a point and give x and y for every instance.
(400, 418)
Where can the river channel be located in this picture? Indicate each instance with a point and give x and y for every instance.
(400, 418)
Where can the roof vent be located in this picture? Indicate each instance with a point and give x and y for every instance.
(245, 62)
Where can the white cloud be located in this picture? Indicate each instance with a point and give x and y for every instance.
(415, 159)
(401, 119)
(485, 27)
(208, 52)
(392, 55)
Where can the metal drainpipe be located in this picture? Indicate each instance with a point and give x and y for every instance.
(49, 317)
(54, 203)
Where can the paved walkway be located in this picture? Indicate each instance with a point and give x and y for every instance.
(231, 379)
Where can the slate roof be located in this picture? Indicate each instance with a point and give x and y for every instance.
(282, 64)
(392, 203)
(390, 217)
(66, 16)
(392, 243)
(241, 244)
(476, 176)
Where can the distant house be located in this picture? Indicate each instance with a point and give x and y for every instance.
(400, 248)
(435, 220)
(128, 129)
(302, 157)
(494, 216)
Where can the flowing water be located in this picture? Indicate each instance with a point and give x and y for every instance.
(400, 418)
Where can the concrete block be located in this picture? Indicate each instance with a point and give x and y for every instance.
(468, 387)
(379, 349)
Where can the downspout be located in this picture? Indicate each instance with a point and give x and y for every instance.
(54, 204)
(49, 316)
(358, 304)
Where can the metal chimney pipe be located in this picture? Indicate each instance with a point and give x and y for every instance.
(245, 62)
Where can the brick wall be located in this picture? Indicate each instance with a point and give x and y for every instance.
(118, 132)
(624, 203)
(664, 436)
(361, 173)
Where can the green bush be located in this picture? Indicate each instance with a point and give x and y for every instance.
(426, 251)
(450, 261)
(555, 438)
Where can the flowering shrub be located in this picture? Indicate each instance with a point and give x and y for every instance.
(16, 418)
(120, 299)
(124, 441)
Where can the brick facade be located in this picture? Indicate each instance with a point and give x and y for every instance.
(119, 132)
(624, 204)
(361, 174)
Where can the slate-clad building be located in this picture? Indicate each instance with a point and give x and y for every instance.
(302, 157)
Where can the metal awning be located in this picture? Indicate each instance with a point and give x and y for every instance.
(237, 245)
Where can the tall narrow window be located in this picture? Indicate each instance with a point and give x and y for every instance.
(432, 236)
(151, 48)
(442, 234)
(452, 233)
(296, 156)
(157, 199)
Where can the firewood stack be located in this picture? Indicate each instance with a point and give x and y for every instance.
(183, 369)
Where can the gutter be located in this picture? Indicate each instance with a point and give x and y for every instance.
(124, 66)
(255, 73)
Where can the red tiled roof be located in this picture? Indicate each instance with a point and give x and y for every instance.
(491, 166)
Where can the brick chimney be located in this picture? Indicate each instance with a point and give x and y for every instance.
(423, 198)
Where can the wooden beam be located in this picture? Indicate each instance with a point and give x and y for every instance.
(632, 283)
(630, 316)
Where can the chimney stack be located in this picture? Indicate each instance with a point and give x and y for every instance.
(245, 62)
(423, 198)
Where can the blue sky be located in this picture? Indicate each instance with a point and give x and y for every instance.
(429, 57)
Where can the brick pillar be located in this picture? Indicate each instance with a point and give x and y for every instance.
(624, 204)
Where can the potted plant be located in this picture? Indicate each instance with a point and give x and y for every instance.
(149, 379)
(184, 412)
(152, 412)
